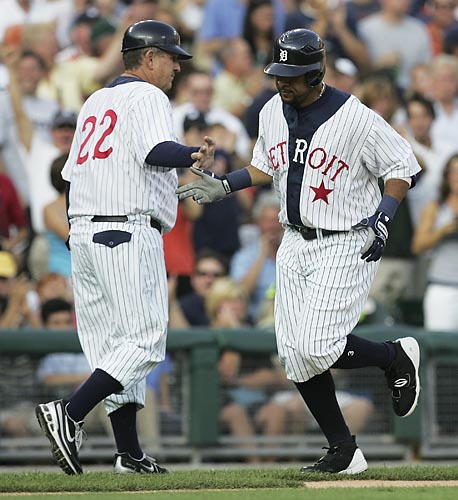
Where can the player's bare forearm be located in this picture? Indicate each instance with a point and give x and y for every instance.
(258, 177)
(397, 188)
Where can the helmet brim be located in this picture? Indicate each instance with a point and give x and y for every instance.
(175, 49)
(289, 70)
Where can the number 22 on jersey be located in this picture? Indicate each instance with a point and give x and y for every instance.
(104, 128)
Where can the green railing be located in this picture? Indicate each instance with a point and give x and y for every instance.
(203, 347)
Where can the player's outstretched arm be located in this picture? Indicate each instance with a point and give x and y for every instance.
(211, 187)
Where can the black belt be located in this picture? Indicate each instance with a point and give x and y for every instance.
(310, 233)
(123, 218)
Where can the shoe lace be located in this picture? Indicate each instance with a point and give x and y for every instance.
(80, 434)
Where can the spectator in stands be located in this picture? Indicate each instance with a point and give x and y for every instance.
(11, 161)
(18, 388)
(190, 15)
(333, 23)
(38, 154)
(30, 72)
(239, 80)
(439, 22)
(437, 232)
(379, 93)
(56, 223)
(420, 117)
(217, 227)
(254, 265)
(200, 91)
(342, 74)
(59, 371)
(18, 307)
(14, 230)
(41, 38)
(53, 286)
(101, 37)
(421, 80)
(445, 88)
(395, 41)
(23, 13)
(179, 251)
(258, 30)
(223, 21)
(189, 310)
(247, 382)
(80, 35)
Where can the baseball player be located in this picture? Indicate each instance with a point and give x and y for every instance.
(324, 151)
(121, 184)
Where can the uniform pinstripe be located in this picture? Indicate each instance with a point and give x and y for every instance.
(121, 290)
(322, 284)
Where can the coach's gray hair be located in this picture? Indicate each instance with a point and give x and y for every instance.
(266, 199)
(132, 59)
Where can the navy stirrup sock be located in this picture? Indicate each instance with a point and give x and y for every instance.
(360, 352)
(96, 388)
(319, 394)
(124, 423)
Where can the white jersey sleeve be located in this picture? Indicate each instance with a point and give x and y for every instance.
(386, 154)
(260, 158)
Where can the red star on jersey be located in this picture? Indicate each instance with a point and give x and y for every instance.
(321, 193)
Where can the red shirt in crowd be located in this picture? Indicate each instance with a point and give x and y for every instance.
(11, 211)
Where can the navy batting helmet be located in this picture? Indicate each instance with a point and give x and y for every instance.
(299, 52)
(151, 33)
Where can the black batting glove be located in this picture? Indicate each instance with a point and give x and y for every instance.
(377, 226)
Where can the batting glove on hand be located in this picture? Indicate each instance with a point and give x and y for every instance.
(377, 225)
(210, 187)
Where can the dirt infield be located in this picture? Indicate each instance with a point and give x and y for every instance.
(377, 484)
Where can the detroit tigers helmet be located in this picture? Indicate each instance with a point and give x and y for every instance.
(151, 33)
(299, 52)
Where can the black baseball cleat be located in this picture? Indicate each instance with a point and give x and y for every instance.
(402, 376)
(125, 464)
(65, 435)
(343, 458)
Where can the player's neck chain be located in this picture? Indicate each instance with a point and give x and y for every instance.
(323, 88)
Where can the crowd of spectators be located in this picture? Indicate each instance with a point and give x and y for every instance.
(400, 57)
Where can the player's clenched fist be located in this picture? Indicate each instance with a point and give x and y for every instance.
(377, 225)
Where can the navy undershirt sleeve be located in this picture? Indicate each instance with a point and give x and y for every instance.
(170, 154)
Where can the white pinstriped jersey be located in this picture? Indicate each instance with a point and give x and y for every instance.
(117, 127)
(325, 159)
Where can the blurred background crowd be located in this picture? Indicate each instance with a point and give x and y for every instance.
(400, 57)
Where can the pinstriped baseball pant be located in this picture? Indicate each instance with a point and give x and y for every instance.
(121, 303)
(322, 286)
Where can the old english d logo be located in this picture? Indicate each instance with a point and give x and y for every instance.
(283, 55)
